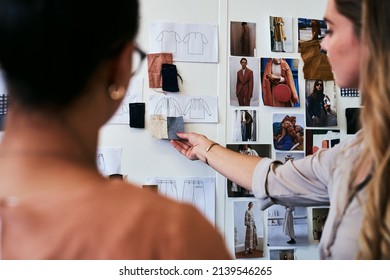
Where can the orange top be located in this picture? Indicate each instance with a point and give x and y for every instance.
(115, 221)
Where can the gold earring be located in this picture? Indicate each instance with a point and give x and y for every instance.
(115, 92)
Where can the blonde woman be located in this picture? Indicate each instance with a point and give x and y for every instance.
(351, 177)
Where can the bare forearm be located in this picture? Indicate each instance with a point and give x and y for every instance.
(236, 167)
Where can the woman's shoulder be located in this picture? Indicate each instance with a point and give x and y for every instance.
(130, 198)
(187, 233)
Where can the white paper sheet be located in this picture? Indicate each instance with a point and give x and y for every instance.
(187, 42)
(108, 160)
(198, 191)
(194, 109)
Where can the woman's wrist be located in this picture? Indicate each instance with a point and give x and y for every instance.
(208, 149)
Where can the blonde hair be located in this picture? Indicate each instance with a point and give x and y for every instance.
(375, 121)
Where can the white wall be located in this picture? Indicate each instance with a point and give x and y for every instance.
(144, 156)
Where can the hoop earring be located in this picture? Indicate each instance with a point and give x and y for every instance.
(115, 92)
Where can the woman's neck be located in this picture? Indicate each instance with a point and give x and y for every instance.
(45, 134)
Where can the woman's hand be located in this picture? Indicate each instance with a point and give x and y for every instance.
(193, 146)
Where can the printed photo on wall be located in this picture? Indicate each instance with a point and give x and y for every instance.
(281, 33)
(280, 82)
(242, 38)
(283, 254)
(321, 105)
(321, 138)
(287, 226)
(244, 81)
(288, 132)
(286, 156)
(262, 150)
(244, 124)
(319, 219)
(310, 29)
(248, 229)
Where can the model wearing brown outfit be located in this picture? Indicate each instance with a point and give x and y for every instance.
(244, 84)
(270, 81)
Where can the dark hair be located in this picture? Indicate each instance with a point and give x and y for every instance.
(351, 9)
(243, 59)
(315, 90)
(49, 48)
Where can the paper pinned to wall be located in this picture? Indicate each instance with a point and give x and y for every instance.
(198, 191)
(133, 94)
(187, 42)
(108, 160)
(194, 109)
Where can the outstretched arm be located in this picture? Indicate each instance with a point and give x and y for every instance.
(235, 166)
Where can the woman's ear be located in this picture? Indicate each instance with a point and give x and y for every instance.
(121, 69)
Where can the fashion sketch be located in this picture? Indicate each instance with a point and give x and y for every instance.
(186, 42)
(169, 40)
(194, 192)
(197, 191)
(168, 106)
(197, 108)
(108, 160)
(168, 188)
(196, 42)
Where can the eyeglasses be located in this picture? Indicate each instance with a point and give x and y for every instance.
(137, 59)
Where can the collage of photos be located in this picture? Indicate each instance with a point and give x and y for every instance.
(257, 81)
